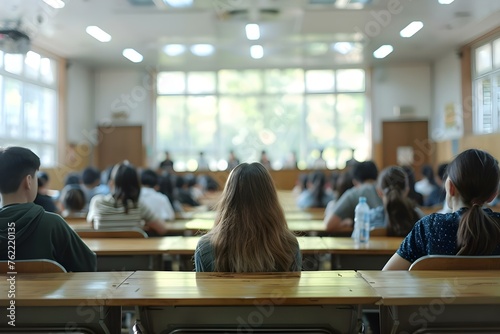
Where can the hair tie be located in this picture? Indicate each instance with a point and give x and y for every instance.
(477, 204)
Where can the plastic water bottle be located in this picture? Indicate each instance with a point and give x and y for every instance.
(361, 231)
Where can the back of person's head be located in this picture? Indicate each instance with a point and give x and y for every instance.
(441, 171)
(72, 178)
(400, 210)
(43, 179)
(149, 178)
(91, 176)
(475, 175)
(344, 182)
(74, 200)
(412, 194)
(428, 173)
(317, 181)
(250, 233)
(365, 171)
(126, 185)
(15, 164)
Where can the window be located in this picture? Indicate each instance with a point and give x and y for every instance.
(247, 111)
(486, 85)
(28, 104)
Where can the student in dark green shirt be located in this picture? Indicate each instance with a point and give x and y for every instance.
(38, 234)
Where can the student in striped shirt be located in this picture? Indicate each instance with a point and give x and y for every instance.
(122, 208)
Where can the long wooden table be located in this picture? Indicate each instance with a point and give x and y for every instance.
(437, 301)
(70, 302)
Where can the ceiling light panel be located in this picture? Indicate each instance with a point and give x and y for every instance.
(202, 50)
(98, 34)
(132, 55)
(256, 51)
(253, 31)
(411, 29)
(383, 51)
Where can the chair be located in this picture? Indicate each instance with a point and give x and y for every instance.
(112, 233)
(33, 266)
(454, 262)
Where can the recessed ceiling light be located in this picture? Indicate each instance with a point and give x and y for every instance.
(98, 34)
(174, 49)
(57, 4)
(179, 3)
(411, 29)
(132, 55)
(202, 50)
(445, 2)
(383, 51)
(253, 31)
(343, 47)
(256, 51)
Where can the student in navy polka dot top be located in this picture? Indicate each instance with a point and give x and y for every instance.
(472, 181)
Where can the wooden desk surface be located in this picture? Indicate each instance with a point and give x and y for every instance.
(376, 245)
(426, 286)
(63, 289)
(173, 245)
(289, 215)
(189, 288)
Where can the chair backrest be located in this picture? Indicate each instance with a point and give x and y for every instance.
(378, 232)
(455, 262)
(32, 266)
(112, 233)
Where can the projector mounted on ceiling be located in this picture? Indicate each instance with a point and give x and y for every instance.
(14, 41)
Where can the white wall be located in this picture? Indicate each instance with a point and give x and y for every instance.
(399, 85)
(447, 91)
(80, 102)
(126, 91)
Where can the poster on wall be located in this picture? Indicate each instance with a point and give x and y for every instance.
(453, 122)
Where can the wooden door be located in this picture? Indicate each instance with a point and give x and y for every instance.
(406, 136)
(120, 143)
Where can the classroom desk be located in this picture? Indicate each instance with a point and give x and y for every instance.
(63, 302)
(146, 254)
(372, 256)
(323, 302)
(289, 215)
(437, 301)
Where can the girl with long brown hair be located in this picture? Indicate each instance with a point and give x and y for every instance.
(250, 233)
(472, 181)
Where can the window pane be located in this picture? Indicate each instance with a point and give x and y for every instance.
(48, 71)
(1, 59)
(483, 59)
(171, 83)
(320, 81)
(13, 63)
(240, 82)
(496, 53)
(47, 154)
(2, 107)
(320, 125)
(49, 115)
(351, 128)
(483, 116)
(13, 99)
(32, 112)
(351, 80)
(201, 82)
(284, 81)
(202, 125)
(32, 65)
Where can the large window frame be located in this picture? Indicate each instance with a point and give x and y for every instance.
(486, 86)
(277, 97)
(29, 104)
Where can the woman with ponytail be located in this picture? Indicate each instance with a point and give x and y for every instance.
(399, 213)
(472, 181)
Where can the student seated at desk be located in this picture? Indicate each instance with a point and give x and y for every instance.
(470, 229)
(250, 233)
(38, 234)
(122, 207)
(399, 213)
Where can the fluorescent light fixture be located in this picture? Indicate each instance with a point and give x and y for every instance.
(178, 3)
(411, 29)
(253, 31)
(202, 50)
(57, 4)
(174, 49)
(383, 51)
(256, 51)
(98, 34)
(343, 47)
(132, 55)
(445, 2)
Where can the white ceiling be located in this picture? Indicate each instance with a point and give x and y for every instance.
(289, 37)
